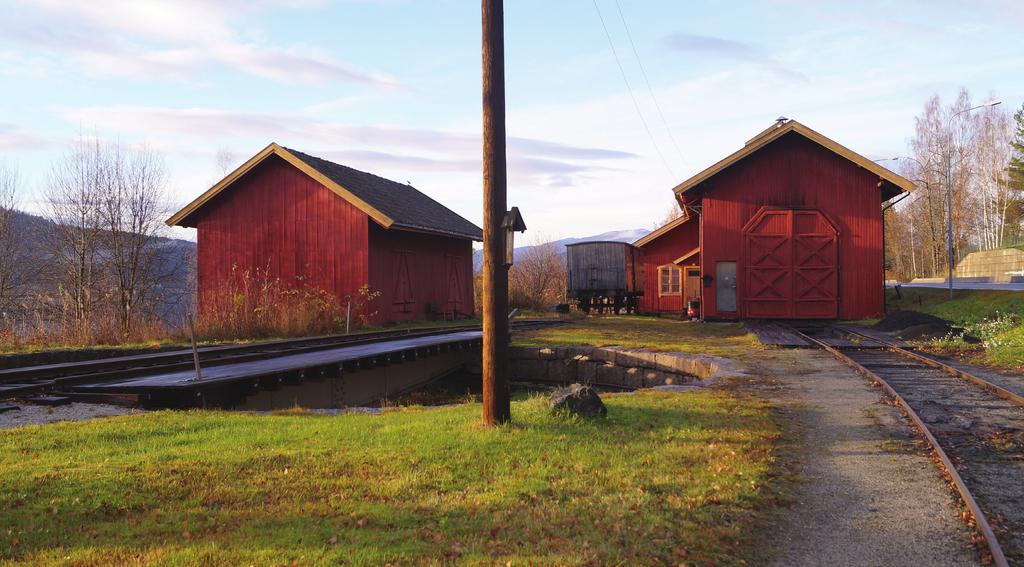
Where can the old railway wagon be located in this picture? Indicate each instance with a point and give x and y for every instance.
(787, 227)
(302, 220)
(604, 275)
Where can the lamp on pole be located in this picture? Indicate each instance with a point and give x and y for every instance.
(949, 190)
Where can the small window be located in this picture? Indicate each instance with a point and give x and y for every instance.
(669, 280)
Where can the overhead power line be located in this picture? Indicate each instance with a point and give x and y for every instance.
(650, 89)
(629, 88)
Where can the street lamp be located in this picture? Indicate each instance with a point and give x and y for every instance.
(949, 190)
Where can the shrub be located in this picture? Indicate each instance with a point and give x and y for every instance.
(257, 305)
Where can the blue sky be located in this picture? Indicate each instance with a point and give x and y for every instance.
(393, 87)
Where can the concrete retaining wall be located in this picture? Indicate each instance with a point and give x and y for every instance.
(616, 367)
(991, 265)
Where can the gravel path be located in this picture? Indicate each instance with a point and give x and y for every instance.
(867, 494)
(33, 415)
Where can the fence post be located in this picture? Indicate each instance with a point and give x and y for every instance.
(195, 349)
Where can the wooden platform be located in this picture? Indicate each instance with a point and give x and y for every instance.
(774, 335)
(367, 355)
(780, 335)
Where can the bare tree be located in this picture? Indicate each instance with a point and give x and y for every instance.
(226, 161)
(12, 251)
(991, 192)
(538, 277)
(73, 201)
(671, 214)
(131, 208)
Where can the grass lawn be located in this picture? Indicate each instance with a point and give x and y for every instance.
(995, 316)
(725, 339)
(667, 477)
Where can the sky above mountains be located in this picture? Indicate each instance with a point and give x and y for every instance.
(393, 87)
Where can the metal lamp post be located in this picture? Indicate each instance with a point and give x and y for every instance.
(949, 191)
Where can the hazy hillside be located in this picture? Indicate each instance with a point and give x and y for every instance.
(177, 257)
(630, 235)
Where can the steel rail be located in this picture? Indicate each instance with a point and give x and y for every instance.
(980, 521)
(995, 389)
(47, 377)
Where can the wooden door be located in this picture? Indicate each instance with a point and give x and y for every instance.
(456, 298)
(790, 265)
(691, 285)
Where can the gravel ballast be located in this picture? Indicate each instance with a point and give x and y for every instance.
(867, 493)
(30, 414)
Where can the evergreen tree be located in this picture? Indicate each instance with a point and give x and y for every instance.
(1017, 159)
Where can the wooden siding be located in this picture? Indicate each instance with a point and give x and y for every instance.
(601, 267)
(796, 173)
(278, 220)
(665, 250)
(413, 270)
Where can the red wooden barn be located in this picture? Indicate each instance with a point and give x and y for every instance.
(299, 218)
(788, 227)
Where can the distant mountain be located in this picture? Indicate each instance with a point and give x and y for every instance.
(630, 235)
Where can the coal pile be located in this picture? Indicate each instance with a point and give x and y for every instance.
(904, 319)
(916, 326)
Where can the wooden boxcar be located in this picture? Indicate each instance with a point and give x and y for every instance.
(303, 221)
(604, 276)
(788, 227)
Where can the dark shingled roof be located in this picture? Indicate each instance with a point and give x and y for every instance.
(404, 204)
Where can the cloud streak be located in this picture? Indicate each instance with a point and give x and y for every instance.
(730, 49)
(382, 149)
(169, 39)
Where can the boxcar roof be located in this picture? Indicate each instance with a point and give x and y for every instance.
(619, 242)
(892, 183)
(389, 203)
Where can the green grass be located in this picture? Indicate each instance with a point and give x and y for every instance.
(667, 477)
(644, 332)
(994, 316)
(967, 306)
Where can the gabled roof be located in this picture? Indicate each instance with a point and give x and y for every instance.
(390, 204)
(893, 185)
(661, 230)
(687, 256)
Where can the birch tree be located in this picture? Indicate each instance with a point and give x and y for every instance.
(73, 203)
(131, 209)
(12, 261)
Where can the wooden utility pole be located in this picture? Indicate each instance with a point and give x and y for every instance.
(495, 301)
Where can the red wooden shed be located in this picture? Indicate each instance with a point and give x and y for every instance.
(304, 219)
(787, 227)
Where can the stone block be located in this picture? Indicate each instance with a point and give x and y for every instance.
(633, 377)
(524, 352)
(588, 371)
(610, 374)
(530, 369)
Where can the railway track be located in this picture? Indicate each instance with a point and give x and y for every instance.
(975, 428)
(34, 380)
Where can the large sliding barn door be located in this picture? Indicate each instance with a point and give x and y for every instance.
(790, 270)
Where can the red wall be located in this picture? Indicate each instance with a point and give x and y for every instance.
(664, 250)
(794, 172)
(278, 220)
(412, 270)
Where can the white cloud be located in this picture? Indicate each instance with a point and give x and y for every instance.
(170, 39)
